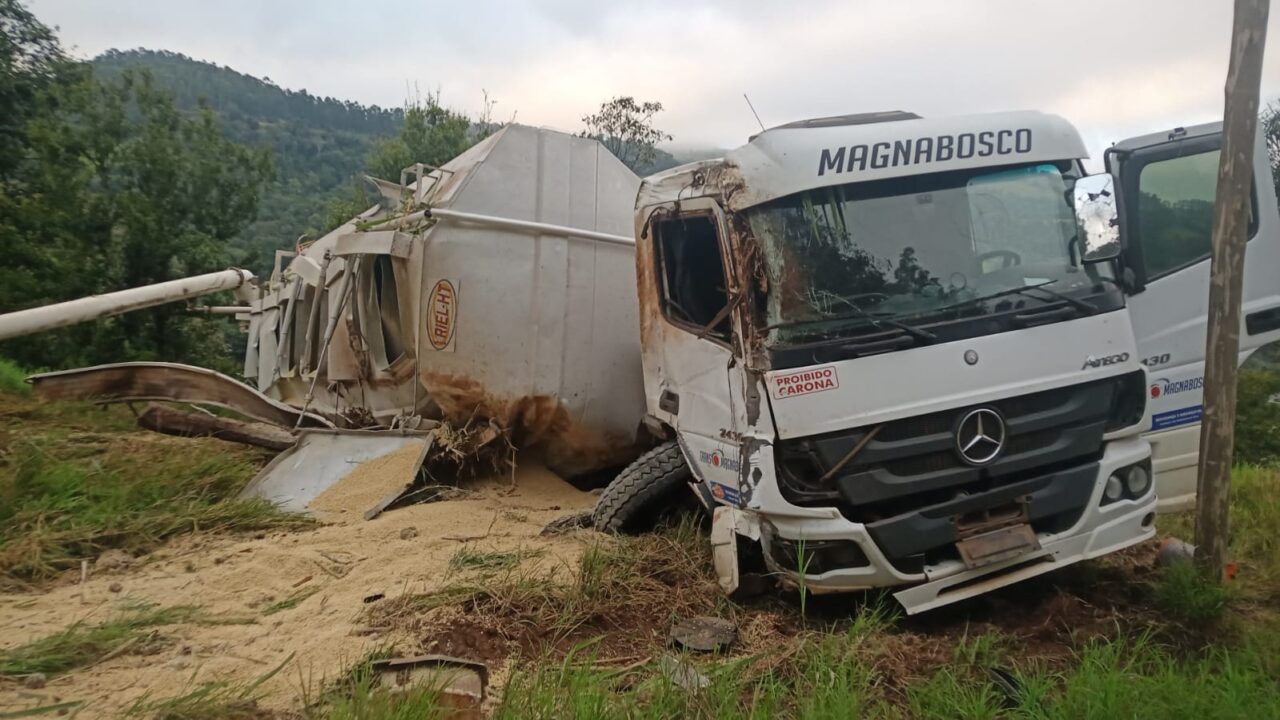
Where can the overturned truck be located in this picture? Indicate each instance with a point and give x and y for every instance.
(883, 350)
(495, 294)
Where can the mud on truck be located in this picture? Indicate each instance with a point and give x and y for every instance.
(929, 354)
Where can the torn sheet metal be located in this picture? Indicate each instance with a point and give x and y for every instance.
(322, 458)
(137, 381)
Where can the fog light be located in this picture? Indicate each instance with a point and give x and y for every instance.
(1114, 488)
(1138, 481)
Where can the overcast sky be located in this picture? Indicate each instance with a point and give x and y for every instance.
(1115, 68)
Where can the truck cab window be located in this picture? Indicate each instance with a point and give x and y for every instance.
(691, 273)
(1175, 212)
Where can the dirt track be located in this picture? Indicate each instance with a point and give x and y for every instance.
(344, 561)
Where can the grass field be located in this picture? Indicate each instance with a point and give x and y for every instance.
(1107, 639)
(77, 479)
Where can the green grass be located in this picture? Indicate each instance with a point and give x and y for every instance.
(83, 644)
(13, 378)
(1255, 528)
(293, 601)
(76, 480)
(659, 575)
(469, 558)
(1188, 598)
(841, 677)
(360, 696)
(219, 700)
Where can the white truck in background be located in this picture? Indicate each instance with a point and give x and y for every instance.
(885, 351)
(897, 351)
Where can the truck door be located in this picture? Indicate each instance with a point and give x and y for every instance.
(1167, 186)
(695, 339)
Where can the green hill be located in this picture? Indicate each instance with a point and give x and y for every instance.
(319, 143)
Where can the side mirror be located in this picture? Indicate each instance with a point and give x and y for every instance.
(1097, 218)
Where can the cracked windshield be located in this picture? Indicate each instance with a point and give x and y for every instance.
(918, 249)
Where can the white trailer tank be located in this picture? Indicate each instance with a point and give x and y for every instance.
(501, 286)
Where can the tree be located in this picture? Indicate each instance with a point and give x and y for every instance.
(1226, 270)
(112, 186)
(1270, 121)
(30, 61)
(626, 128)
(431, 134)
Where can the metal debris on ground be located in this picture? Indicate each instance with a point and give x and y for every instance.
(1174, 551)
(567, 523)
(704, 634)
(681, 673)
(1009, 686)
(462, 683)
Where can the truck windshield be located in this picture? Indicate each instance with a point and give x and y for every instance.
(918, 250)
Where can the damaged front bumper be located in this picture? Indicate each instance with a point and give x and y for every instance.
(850, 558)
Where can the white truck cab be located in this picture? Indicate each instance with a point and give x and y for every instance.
(886, 354)
(1167, 183)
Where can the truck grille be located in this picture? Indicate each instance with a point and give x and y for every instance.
(911, 466)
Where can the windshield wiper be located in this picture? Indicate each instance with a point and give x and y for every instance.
(1087, 308)
(970, 301)
(915, 332)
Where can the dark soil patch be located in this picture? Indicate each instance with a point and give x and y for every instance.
(625, 610)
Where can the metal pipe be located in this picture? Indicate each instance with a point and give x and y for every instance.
(505, 223)
(71, 312)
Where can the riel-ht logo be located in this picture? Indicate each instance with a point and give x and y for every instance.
(442, 314)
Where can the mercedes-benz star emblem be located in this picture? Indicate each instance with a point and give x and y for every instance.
(980, 436)
(971, 357)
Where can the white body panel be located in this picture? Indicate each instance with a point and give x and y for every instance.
(1170, 317)
(911, 382)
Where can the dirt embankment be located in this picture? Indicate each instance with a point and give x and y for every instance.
(322, 577)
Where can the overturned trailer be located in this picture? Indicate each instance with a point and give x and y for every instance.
(496, 289)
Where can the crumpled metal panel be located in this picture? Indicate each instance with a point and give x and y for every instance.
(137, 381)
(319, 460)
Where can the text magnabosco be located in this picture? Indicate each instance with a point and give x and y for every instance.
(917, 151)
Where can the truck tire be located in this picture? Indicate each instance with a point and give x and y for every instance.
(637, 498)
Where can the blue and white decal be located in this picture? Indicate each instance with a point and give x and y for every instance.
(1163, 387)
(1174, 418)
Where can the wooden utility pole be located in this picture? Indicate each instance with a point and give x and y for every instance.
(1230, 224)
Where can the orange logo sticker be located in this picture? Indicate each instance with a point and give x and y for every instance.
(442, 314)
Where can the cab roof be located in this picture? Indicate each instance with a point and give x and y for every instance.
(845, 149)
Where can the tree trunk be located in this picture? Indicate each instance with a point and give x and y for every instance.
(1230, 222)
(163, 419)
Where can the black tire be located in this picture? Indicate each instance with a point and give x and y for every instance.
(637, 498)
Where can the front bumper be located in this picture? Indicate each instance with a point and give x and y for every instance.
(1099, 530)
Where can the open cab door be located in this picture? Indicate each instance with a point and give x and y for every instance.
(1167, 186)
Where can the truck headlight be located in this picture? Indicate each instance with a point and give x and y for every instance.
(1114, 489)
(1138, 481)
(1128, 483)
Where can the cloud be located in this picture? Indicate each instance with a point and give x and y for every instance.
(1114, 69)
